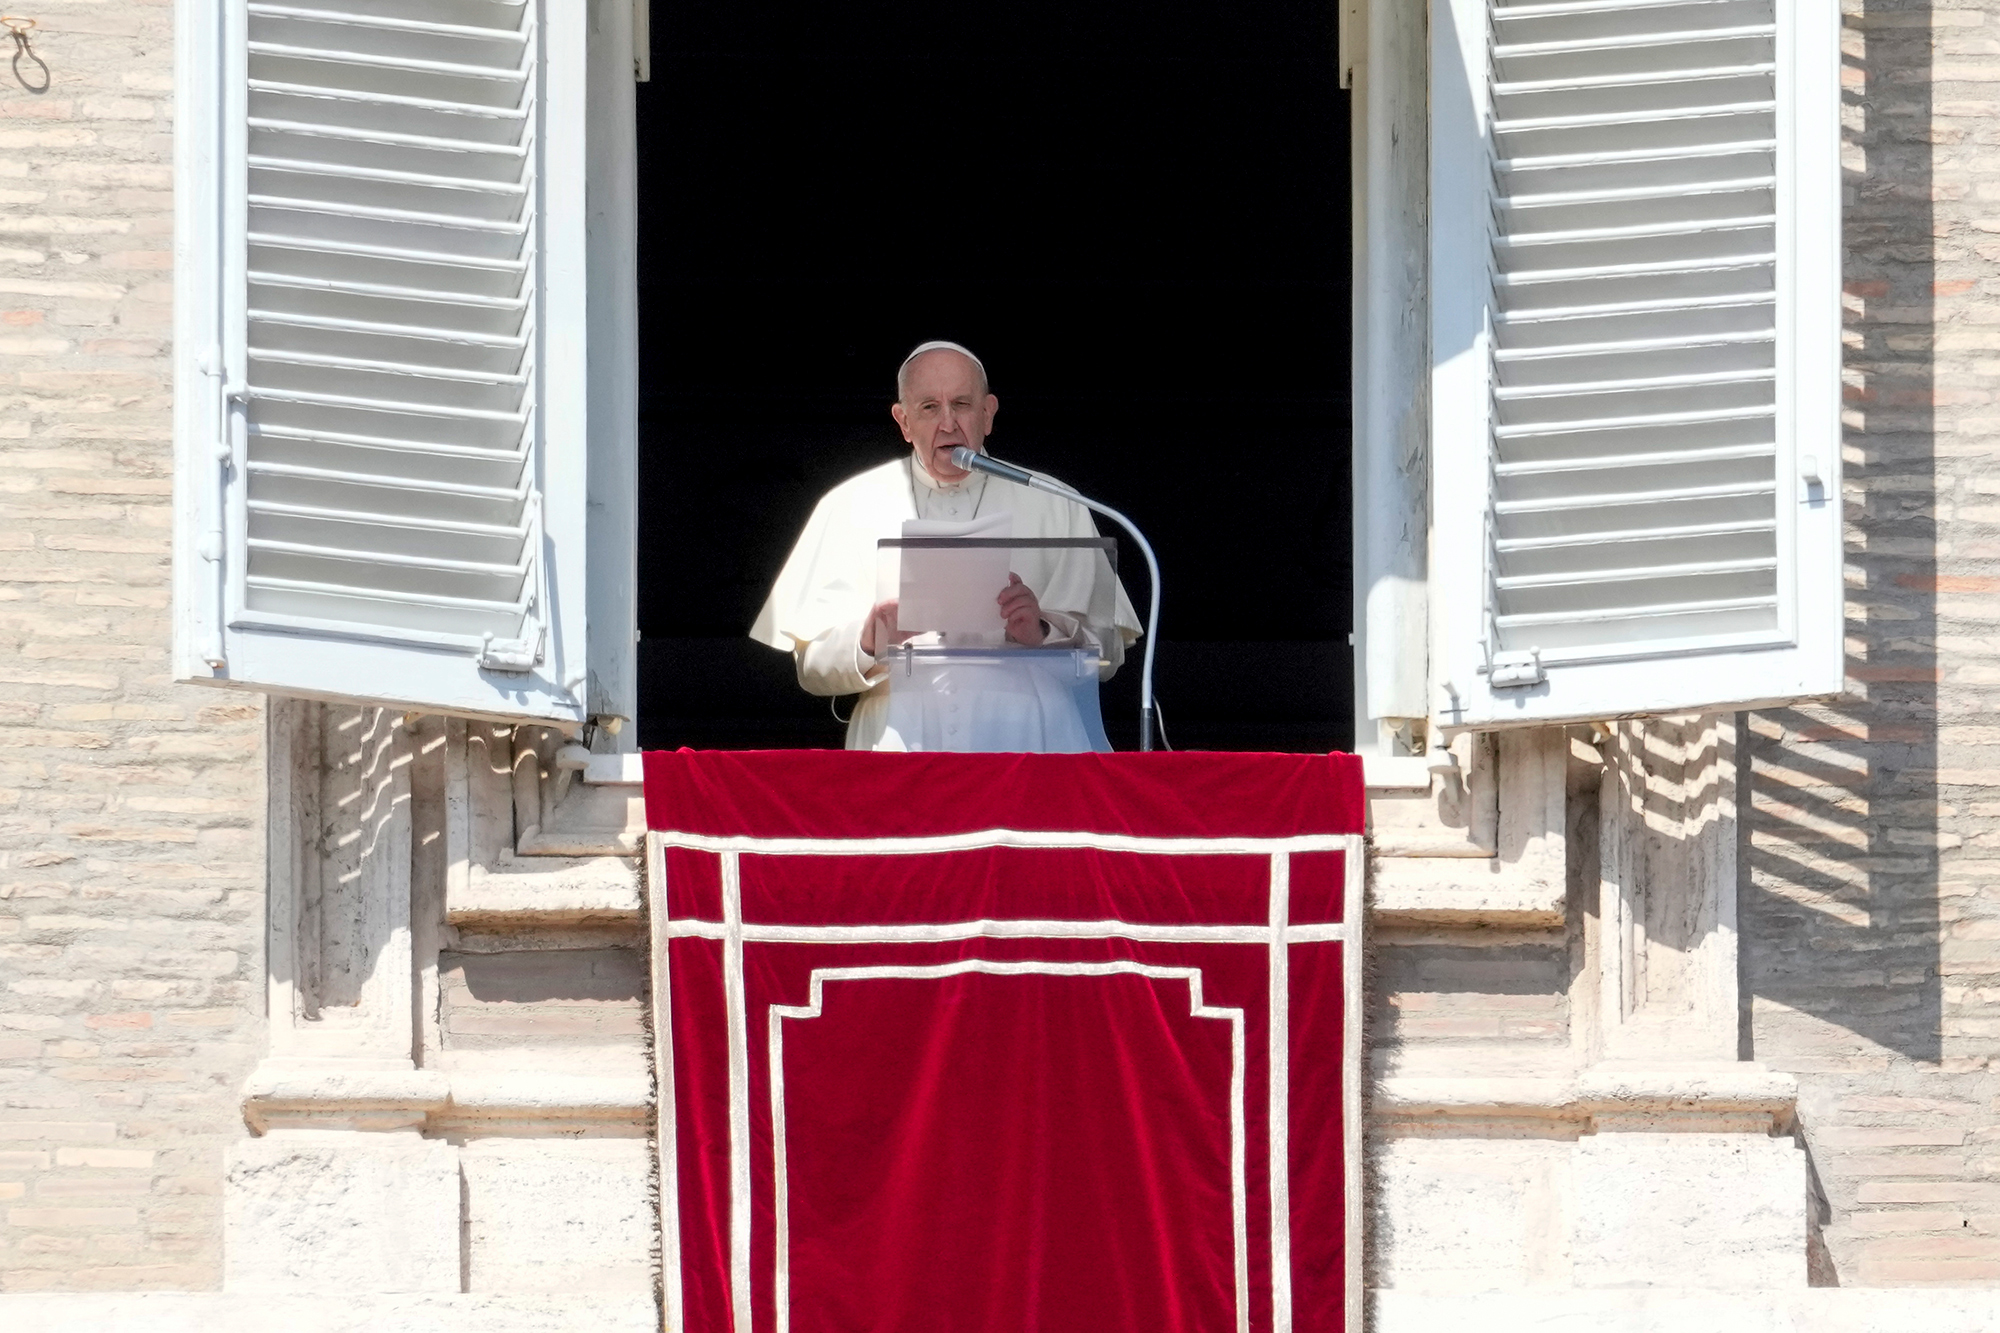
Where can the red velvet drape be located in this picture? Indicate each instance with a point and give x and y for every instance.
(991, 1087)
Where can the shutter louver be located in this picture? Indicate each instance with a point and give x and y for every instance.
(1635, 496)
(390, 493)
(389, 385)
(1644, 369)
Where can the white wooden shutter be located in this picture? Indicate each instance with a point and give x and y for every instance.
(1635, 342)
(382, 420)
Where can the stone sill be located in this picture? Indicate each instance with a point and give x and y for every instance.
(1682, 1310)
(615, 770)
(1447, 890)
(1693, 1096)
(1656, 1310)
(299, 1094)
(288, 1094)
(548, 891)
(341, 1312)
(543, 891)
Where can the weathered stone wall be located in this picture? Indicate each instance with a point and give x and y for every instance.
(1871, 889)
(131, 857)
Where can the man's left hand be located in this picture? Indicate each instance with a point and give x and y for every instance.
(1023, 613)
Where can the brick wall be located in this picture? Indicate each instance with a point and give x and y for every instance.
(131, 862)
(1871, 904)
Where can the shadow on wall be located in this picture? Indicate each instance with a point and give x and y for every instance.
(1840, 908)
(1840, 881)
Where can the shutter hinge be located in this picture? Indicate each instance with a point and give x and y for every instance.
(213, 544)
(215, 366)
(1513, 670)
(513, 655)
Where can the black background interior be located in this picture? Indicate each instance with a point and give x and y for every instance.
(1137, 214)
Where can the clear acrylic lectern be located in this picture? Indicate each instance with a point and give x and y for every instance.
(957, 682)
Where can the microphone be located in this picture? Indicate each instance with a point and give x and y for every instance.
(966, 460)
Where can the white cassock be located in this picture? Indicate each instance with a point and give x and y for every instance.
(829, 583)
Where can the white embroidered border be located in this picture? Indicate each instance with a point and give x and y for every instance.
(942, 932)
(1278, 935)
(739, 1091)
(1353, 968)
(1238, 1181)
(666, 1123)
(972, 842)
(1278, 1025)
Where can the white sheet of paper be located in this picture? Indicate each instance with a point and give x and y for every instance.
(955, 591)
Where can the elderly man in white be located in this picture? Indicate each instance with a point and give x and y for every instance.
(824, 609)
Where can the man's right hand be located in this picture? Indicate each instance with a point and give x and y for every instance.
(880, 628)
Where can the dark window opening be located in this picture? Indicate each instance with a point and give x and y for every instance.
(1136, 214)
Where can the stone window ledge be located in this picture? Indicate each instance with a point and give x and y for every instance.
(288, 1094)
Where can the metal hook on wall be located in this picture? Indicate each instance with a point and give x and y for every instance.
(19, 28)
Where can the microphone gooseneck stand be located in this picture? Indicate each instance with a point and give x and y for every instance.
(972, 462)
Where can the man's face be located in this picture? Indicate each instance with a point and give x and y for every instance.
(943, 407)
